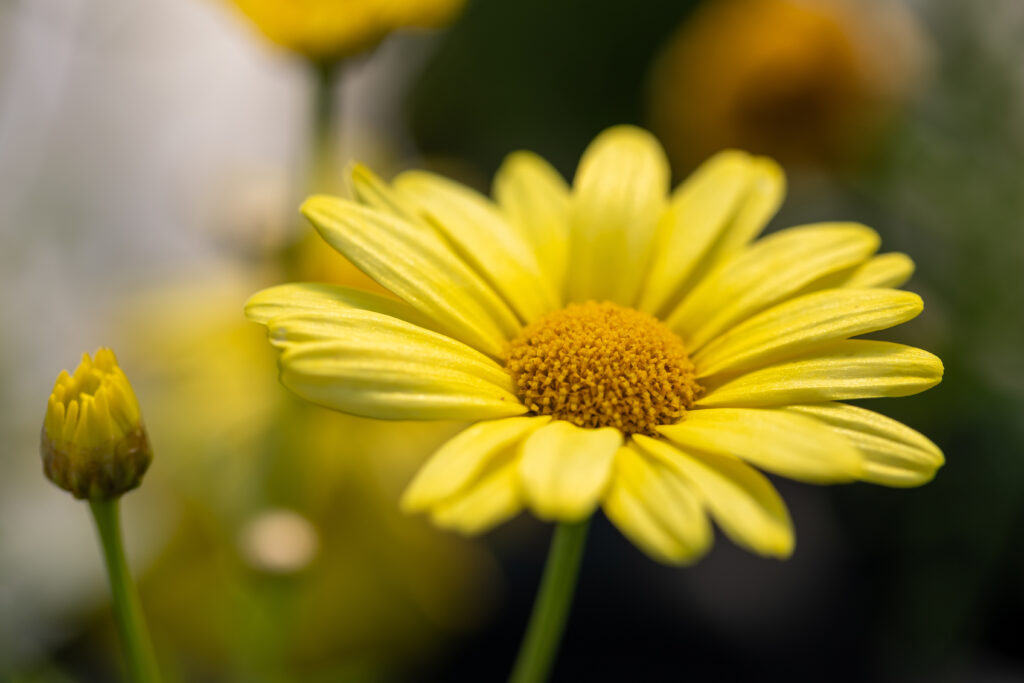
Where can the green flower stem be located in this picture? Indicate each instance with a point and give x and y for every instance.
(551, 609)
(325, 130)
(131, 627)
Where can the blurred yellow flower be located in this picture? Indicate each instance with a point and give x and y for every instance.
(805, 81)
(94, 443)
(326, 30)
(263, 487)
(616, 346)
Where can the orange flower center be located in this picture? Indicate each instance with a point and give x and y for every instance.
(603, 365)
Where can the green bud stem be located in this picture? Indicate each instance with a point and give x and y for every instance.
(131, 626)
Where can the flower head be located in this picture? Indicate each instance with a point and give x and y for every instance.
(326, 30)
(806, 81)
(617, 346)
(94, 444)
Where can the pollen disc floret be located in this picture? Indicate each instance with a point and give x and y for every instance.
(603, 365)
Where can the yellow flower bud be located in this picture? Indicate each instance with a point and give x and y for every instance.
(94, 443)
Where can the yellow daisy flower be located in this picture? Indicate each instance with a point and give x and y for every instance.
(617, 346)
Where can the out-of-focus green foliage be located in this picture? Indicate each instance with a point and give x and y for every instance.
(538, 75)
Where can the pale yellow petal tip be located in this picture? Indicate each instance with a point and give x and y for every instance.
(683, 557)
(93, 441)
(896, 264)
(687, 559)
(414, 500)
(866, 232)
(778, 544)
(782, 550)
(625, 131)
(318, 203)
(901, 263)
(357, 169)
(628, 139)
(892, 269)
(360, 177)
(729, 156)
(422, 493)
(769, 176)
(907, 474)
(936, 366)
(255, 308)
(321, 209)
(522, 157)
(464, 525)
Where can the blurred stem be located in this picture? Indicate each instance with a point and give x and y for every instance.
(131, 626)
(324, 138)
(302, 259)
(551, 608)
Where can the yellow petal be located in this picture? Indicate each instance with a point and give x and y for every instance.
(482, 236)
(391, 382)
(564, 469)
(765, 192)
(535, 198)
(715, 212)
(325, 300)
(743, 502)
(895, 455)
(775, 268)
(885, 270)
(840, 371)
(370, 190)
(355, 329)
(460, 461)
(783, 443)
(419, 268)
(799, 324)
(484, 504)
(657, 509)
(618, 196)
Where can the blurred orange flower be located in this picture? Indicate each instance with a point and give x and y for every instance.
(804, 81)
